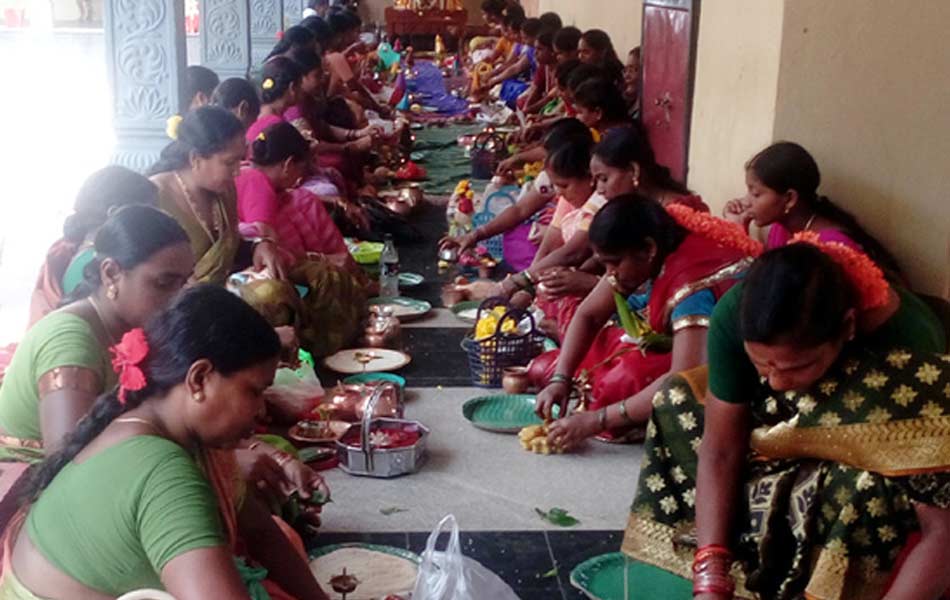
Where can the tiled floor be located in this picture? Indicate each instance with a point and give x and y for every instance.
(536, 564)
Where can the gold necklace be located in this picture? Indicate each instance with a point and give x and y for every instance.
(139, 421)
(810, 220)
(102, 321)
(216, 225)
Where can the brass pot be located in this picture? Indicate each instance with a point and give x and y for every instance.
(515, 380)
(349, 401)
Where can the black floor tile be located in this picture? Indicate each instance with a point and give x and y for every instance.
(437, 358)
(571, 548)
(521, 559)
(397, 540)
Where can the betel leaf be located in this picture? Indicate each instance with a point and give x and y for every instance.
(557, 516)
(628, 321)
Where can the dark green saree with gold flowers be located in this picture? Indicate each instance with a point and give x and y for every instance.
(827, 502)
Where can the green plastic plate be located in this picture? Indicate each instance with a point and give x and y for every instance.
(615, 576)
(407, 280)
(404, 308)
(466, 311)
(502, 413)
(391, 550)
(364, 377)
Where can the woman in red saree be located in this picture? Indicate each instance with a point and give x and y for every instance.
(665, 272)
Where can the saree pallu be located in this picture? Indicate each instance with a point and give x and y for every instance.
(826, 503)
(215, 258)
(48, 291)
(330, 315)
(221, 469)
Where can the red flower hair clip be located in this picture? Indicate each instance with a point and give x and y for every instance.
(127, 355)
(867, 278)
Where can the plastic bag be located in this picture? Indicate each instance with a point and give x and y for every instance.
(294, 395)
(449, 575)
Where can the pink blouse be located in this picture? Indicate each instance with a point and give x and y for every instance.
(296, 217)
(779, 236)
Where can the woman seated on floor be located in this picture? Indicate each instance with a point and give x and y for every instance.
(141, 258)
(624, 163)
(782, 183)
(345, 28)
(132, 499)
(515, 79)
(595, 48)
(239, 96)
(600, 105)
(845, 425)
(565, 242)
(665, 273)
(315, 254)
(536, 197)
(543, 88)
(195, 179)
(104, 191)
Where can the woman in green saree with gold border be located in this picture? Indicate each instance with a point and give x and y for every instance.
(816, 484)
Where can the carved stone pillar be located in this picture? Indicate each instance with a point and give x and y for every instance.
(267, 19)
(293, 12)
(226, 37)
(145, 53)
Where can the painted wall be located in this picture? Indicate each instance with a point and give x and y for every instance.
(734, 98)
(620, 18)
(864, 86)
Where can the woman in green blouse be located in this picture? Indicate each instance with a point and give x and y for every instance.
(124, 504)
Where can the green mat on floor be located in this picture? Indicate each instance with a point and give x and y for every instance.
(445, 160)
(603, 578)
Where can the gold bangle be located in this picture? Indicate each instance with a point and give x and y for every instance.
(623, 412)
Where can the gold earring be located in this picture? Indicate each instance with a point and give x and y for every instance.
(112, 293)
(198, 397)
(636, 183)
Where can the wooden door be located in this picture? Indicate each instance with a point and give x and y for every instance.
(668, 62)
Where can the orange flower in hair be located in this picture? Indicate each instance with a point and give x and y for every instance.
(730, 235)
(127, 355)
(863, 273)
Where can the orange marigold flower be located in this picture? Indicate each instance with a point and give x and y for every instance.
(863, 273)
(720, 231)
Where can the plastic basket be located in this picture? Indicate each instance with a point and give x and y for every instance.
(491, 208)
(489, 357)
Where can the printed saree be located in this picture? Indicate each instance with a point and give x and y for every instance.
(826, 504)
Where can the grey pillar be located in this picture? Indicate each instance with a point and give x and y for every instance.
(267, 19)
(145, 52)
(293, 12)
(226, 37)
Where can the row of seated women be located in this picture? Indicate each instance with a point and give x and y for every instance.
(793, 394)
(188, 513)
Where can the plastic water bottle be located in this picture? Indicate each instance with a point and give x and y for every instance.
(389, 269)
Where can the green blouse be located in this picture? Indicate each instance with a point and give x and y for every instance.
(113, 521)
(732, 374)
(60, 339)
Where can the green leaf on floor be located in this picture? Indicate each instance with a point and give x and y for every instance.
(557, 516)
(549, 574)
(392, 510)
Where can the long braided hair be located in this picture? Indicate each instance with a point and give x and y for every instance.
(204, 322)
